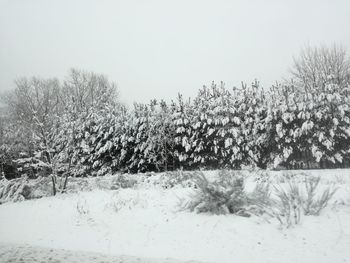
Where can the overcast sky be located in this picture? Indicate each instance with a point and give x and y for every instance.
(157, 48)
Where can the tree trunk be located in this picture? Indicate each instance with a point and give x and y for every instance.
(53, 185)
(65, 184)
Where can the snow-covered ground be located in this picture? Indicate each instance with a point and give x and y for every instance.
(146, 222)
(34, 254)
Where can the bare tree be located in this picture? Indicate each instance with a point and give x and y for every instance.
(316, 65)
(32, 105)
(88, 90)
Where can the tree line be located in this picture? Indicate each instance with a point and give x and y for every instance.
(78, 127)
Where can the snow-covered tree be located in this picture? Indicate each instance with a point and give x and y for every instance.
(182, 119)
(89, 110)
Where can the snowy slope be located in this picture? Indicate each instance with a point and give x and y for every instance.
(146, 222)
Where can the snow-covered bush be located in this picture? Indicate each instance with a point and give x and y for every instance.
(123, 181)
(175, 178)
(260, 197)
(313, 202)
(21, 189)
(287, 205)
(293, 199)
(222, 196)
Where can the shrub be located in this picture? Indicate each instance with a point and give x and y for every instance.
(222, 196)
(23, 188)
(173, 178)
(286, 206)
(294, 199)
(260, 198)
(311, 204)
(123, 181)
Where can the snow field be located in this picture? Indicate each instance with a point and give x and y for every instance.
(146, 221)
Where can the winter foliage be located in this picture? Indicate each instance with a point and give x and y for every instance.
(79, 127)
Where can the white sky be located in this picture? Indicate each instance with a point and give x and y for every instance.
(157, 48)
